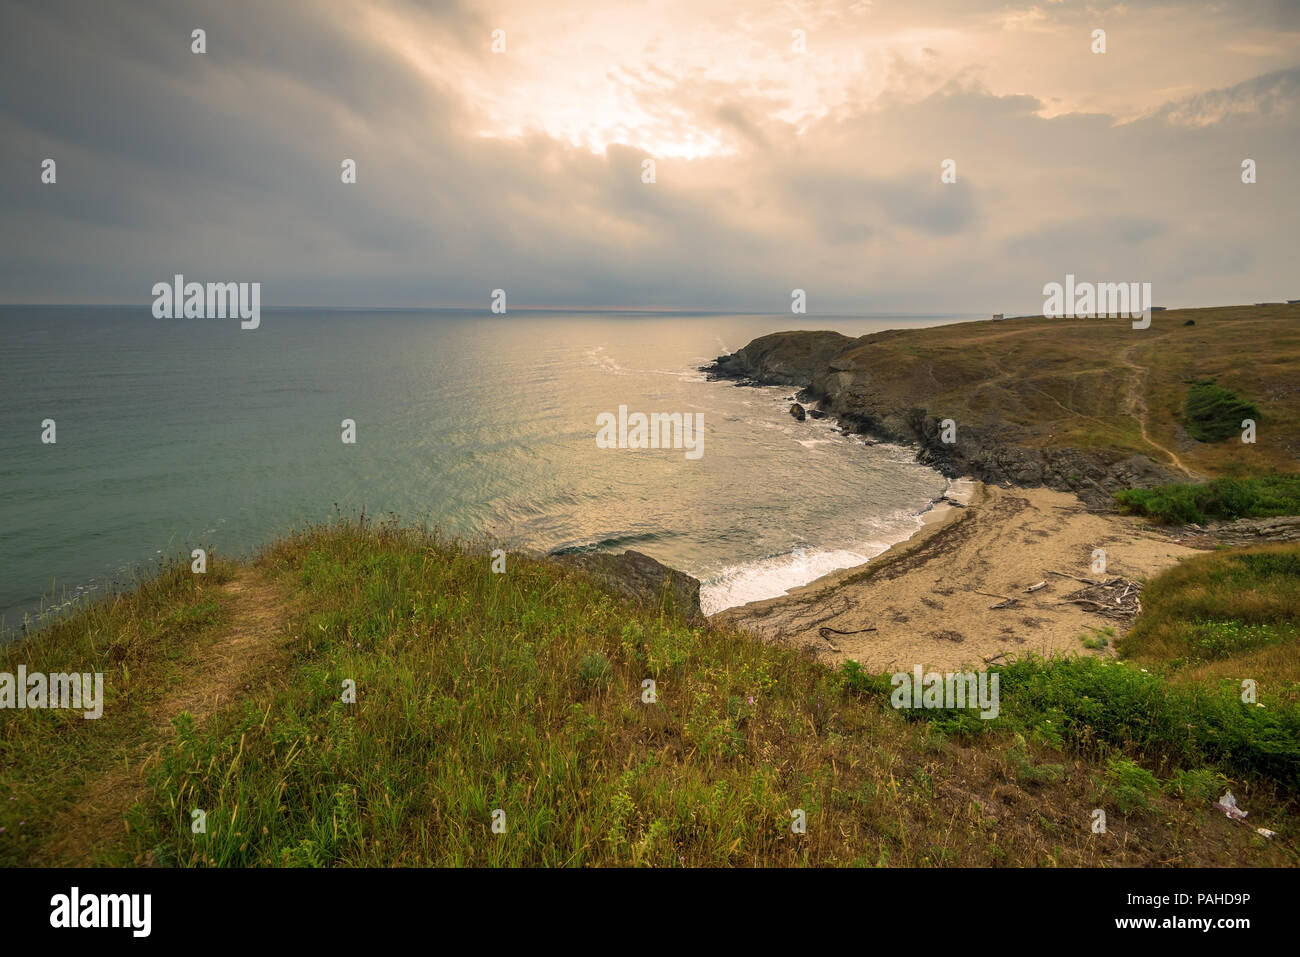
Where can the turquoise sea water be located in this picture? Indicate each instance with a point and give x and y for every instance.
(175, 434)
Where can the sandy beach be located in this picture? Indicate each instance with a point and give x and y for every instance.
(929, 597)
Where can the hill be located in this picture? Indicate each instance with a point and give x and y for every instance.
(1090, 406)
(524, 693)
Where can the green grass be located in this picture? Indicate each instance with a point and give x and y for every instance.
(519, 692)
(1227, 615)
(140, 641)
(1213, 413)
(524, 693)
(1098, 639)
(1206, 625)
(1225, 499)
(1102, 709)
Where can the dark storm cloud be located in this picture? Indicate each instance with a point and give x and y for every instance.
(226, 166)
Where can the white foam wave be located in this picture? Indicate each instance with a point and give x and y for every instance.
(778, 574)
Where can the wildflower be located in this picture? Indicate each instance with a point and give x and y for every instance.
(751, 700)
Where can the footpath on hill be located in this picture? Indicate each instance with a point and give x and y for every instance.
(214, 673)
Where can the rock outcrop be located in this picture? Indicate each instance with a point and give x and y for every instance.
(782, 358)
(1249, 531)
(641, 579)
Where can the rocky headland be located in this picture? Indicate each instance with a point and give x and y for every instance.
(856, 381)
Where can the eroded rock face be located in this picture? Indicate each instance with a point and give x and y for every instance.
(642, 579)
(1254, 531)
(843, 386)
(782, 358)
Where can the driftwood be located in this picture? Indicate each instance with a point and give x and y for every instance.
(1086, 581)
(826, 632)
(1116, 598)
(1034, 588)
(789, 627)
(835, 631)
(1007, 601)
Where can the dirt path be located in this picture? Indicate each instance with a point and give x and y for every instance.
(215, 674)
(220, 670)
(1137, 407)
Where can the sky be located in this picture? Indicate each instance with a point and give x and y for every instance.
(796, 145)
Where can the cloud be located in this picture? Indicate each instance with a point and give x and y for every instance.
(822, 174)
(1273, 96)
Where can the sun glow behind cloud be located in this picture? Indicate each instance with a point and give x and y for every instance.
(777, 169)
(601, 76)
(656, 76)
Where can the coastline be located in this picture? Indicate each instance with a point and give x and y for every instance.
(776, 575)
(1050, 418)
(1076, 405)
(928, 598)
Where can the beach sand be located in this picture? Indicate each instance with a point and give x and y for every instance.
(922, 595)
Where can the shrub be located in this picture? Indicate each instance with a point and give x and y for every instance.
(1099, 708)
(1222, 499)
(1214, 413)
(594, 669)
(1196, 784)
(1128, 785)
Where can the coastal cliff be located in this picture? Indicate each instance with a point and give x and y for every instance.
(838, 374)
(1087, 406)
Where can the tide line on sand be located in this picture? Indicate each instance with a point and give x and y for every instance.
(778, 575)
(928, 597)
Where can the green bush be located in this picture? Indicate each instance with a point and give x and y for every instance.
(1095, 641)
(1221, 499)
(1196, 784)
(1214, 413)
(1128, 785)
(1100, 708)
(595, 669)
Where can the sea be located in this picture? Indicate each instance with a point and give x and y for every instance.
(175, 434)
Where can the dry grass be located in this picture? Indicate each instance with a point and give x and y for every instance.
(1099, 383)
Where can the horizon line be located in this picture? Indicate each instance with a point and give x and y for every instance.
(630, 310)
(512, 309)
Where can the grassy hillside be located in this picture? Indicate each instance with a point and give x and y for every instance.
(1100, 384)
(523, 692)
(1226, 616)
